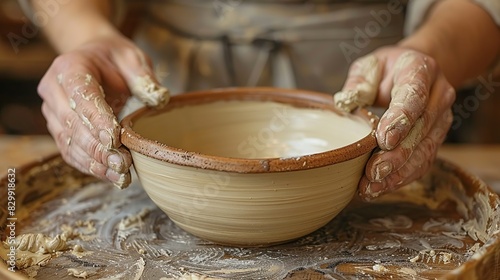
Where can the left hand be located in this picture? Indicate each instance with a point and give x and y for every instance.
(419, 100)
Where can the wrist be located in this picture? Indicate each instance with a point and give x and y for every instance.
(462, 48)
(76, 22)
(434, 45)
(439, 44)
(77, 35)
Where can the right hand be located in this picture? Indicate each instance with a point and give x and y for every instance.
(83, 89)
(418, 98)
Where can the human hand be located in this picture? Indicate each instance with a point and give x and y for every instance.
(419, 100)
(83, 89)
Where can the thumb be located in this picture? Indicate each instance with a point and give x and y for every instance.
(140, 78)
(361, 86)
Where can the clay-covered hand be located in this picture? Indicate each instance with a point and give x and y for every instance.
(83, 89)
(419, 100)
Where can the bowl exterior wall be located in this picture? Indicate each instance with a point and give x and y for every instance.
(249, 209)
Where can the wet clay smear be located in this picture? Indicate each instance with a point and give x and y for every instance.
(98, 232)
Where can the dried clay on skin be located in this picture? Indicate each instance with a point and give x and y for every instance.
(364, 93)
(150, 92)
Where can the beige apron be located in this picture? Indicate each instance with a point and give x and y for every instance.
(198, 44)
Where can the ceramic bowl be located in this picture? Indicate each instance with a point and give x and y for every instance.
(250, 166)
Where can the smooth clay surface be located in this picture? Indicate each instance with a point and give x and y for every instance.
(251, 208)
(252, 129)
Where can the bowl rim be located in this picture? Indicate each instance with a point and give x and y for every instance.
(296, 97)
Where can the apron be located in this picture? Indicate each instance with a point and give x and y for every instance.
(198, 44)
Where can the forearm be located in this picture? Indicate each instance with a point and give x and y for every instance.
(461, 36)
(76, 22)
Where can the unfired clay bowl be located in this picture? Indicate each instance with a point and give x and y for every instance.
(250, 166)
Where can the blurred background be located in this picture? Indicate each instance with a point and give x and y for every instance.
(23, 62)
(25, 56)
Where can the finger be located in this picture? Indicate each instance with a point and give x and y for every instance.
(85, 153)
(90, 166)
(60, 138)
(417, 165)
(117, 159)
(86, 98)
(115, 87)
(413, 75)
(383, 163)
(65, 109)
(77, 97)
(361, 86)
(70, 152)
(140, 77)
(79, 93)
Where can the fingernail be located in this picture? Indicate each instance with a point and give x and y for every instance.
(119, 180)
(391, 138)
(123, 181)
(115, 162)
(382, 170)
(363, 196)
(106, 139)
(372, 191)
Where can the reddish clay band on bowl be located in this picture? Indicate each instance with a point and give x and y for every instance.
(296, 98)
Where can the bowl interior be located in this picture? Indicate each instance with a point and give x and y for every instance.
(252, 129)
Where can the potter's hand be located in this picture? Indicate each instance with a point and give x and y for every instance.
(418, 117)
(81, 91)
